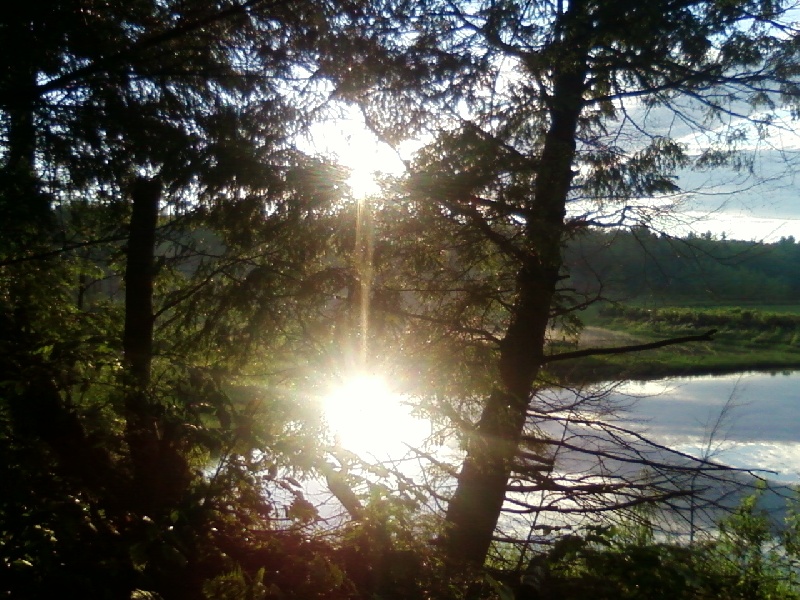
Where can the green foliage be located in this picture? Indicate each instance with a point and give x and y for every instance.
(640, 267)
(254, 289)
(750, 558)
(745, 338)
(607, 563)
(746, 558)
(188, 96)
(774, 327)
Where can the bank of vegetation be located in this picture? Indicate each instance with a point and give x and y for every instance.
(747, 293)
(744, 559)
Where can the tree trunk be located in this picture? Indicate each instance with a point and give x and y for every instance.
(476, 505)
(141, 423)
(23, 203)
(139, 277)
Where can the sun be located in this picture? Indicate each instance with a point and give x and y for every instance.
(347, 140)
(363, 183)
(368, 418)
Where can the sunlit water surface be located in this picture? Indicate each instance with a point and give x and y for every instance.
(748, 420)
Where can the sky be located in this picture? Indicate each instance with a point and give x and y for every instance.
(756, 203)
(760, 203)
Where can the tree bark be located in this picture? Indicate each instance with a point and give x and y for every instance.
(475, 507)
(141, 431)
(137, 340)
(23, 205)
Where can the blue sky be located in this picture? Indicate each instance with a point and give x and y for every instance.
(756, 202)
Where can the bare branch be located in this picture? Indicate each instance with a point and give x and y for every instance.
(705, 337)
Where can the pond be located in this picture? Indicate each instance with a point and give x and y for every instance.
(746, 420)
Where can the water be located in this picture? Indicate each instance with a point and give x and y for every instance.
(748, 420)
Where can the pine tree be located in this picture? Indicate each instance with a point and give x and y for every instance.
(541, 116)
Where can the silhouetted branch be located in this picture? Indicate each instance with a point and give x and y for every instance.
(705, 337)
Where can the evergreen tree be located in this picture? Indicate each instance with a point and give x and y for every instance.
(536, 139)
(149, 148)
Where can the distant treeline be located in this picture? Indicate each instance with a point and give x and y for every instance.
(641, 266)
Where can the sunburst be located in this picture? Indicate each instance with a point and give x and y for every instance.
(368, 418)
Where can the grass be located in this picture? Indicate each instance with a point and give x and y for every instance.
(765, 337)
(682, 302)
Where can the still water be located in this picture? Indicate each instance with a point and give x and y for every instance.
(746, 420)
(750, 421)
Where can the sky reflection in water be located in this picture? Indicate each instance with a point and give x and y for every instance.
(761, 429)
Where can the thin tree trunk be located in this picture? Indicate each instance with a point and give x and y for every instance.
(139, 277)
(475, 507)
(24, 204)
(137, 342)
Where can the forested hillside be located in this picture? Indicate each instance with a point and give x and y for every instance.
(644, 267)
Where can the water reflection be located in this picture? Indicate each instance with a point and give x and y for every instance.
(749, 420)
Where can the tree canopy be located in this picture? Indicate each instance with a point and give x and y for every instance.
(542, 135)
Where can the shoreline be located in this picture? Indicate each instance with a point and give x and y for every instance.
(597, 373)
(726, 354)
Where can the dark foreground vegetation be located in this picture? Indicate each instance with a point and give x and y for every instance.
(183, 278)
(744, 559)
